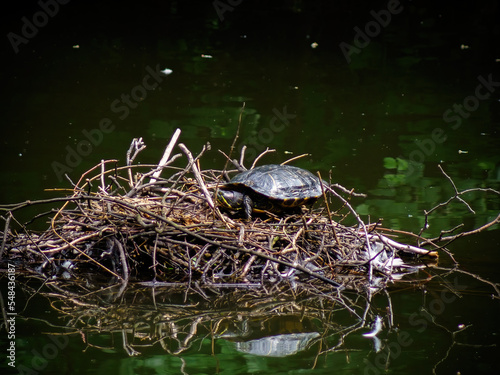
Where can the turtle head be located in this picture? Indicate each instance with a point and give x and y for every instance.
(230, 199)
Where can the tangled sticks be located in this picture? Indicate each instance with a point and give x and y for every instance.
(128, 224)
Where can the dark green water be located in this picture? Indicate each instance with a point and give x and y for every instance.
(423, 90)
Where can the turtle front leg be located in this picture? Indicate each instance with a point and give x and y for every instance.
(247, 207)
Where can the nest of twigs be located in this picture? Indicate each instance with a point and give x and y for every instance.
(130, 223)
(142, 252)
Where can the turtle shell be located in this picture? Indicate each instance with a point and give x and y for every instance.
(287, 185)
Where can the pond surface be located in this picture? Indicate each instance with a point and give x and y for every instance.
(378, 97)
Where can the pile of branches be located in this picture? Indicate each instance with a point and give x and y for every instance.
(130, 223)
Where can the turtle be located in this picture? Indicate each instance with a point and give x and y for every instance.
(273, 187)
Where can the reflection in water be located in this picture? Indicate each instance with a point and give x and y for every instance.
(277, 346)
(187, 321)
(174, 319)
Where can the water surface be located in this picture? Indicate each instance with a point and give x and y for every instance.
(381, 123)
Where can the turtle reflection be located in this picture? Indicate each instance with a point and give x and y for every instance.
(275, 337)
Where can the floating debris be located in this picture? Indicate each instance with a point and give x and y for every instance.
(132, 224)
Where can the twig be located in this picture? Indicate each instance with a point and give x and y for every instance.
(457, 193)
(236, 136)
(5, 233)
(197, 174)
(457, 196)
(402, 247)
(136, 146)
(361, 222)
(347, 191)
(463, 234)
(123, 260)
(242, 158)
(83, 176)
(154, 256)
(103, 171)
(17, 206)
(294, 158)
(328, 210)
(166, 155)
(266, 151)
